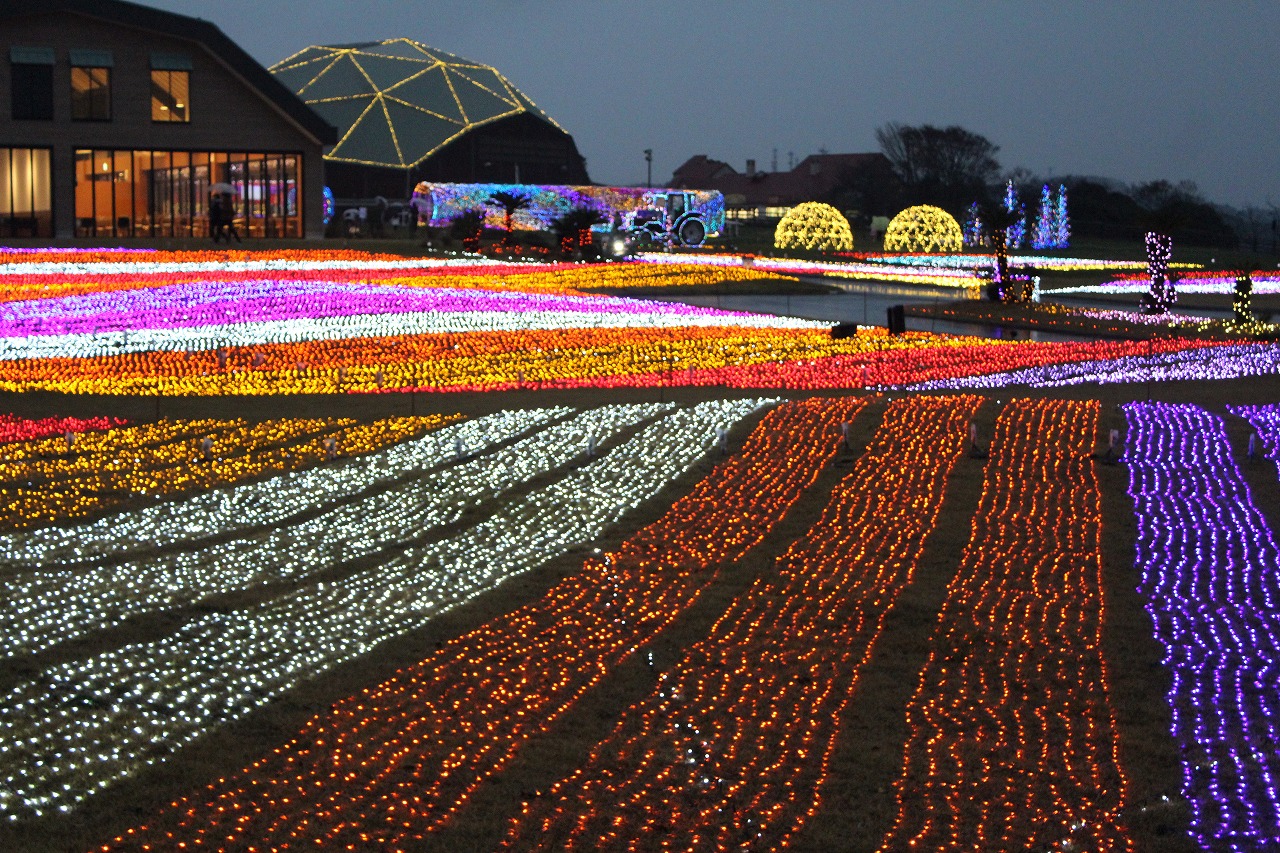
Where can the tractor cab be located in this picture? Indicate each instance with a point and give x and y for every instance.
(670, 217)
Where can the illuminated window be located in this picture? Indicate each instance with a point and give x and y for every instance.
(169, 91)
(91, 93)
(166, 193)
(26, 193)
(31, 83)
(170, 87)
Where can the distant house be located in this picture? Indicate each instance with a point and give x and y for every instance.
(770, 195)
(118, 120)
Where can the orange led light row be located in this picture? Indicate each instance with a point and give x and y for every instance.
(730, 751)
(454, 361)
(23, 459)
(557, 358)
(1012, 740)
(15, 429)
(386, 767)
(54, 480)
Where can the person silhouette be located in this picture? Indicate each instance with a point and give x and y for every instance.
(216, 217)
(222, 217)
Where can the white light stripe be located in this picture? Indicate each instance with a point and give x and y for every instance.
(78, 727)
(48, 608)
(368, 325)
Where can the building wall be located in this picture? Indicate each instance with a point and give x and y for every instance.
(226, 113)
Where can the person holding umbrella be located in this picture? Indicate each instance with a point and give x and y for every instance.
(222, 221)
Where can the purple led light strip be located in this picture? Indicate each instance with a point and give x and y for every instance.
(1197, 362)
(1210, 571)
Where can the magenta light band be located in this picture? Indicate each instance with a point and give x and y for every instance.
(217, 303)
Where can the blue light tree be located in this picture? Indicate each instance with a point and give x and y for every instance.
(1042, 236)
(972, 230)
(1016, 234)
(1061, 221)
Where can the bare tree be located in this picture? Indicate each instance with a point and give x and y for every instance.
(947, 166)
(1250, 226)
(1275, 226)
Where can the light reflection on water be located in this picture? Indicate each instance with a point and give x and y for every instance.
(867, 305)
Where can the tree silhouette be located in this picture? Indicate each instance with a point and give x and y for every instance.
(943, 166)
(510, 202)
(573, 230)
(467, 226)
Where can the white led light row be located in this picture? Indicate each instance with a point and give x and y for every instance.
(889, 261)
(52, 607)
(79, 726)
(222, 511)
(1222, 285)
(225, 266)
(119, 341)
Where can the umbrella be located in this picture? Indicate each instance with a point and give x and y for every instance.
(222, 188)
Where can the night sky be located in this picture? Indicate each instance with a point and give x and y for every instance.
(1137, 91)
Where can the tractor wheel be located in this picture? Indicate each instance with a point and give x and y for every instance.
(692, 232)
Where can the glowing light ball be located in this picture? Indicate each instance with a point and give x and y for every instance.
(813, 225)
(923, 228)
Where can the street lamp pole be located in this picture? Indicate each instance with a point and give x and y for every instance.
(648, 167)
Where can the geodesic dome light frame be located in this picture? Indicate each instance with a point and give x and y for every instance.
(397, 102)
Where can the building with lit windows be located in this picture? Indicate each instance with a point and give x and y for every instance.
(862, 183)
(122, 120)
(406, 113)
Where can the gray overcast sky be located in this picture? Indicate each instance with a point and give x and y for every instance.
(1130, 89)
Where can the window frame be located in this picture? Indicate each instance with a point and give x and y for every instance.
(31, 83)
(91, 94)
(157, 107)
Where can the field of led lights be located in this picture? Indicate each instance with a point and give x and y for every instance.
(341, 551)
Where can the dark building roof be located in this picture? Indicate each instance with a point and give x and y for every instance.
(699, 171)
(812, 179)
(196, 30)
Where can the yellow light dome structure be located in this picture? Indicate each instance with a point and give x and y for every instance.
(923, 228)
(406, 112)
(813, 225)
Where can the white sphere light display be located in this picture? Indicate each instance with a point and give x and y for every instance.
(813, 225)
(923, 228)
